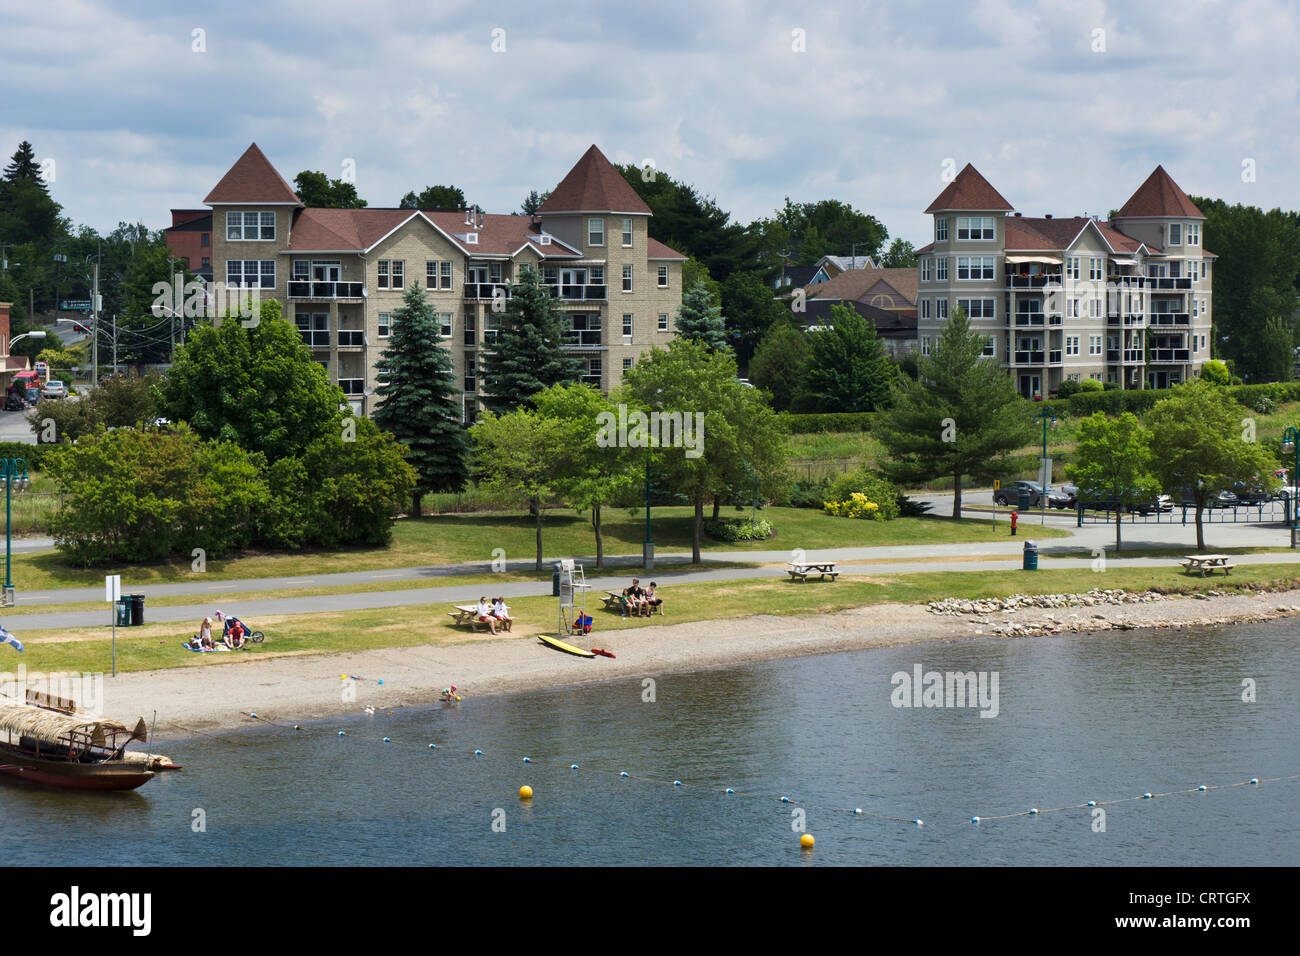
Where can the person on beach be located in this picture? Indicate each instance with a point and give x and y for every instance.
(652, 602)
(484, 614)
(637, 594)
(625, 602)
(449, 694)
(205, 635)
(501, 614)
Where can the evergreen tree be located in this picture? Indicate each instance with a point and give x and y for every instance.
(420, 405)
(434, 197)
(23, 168)
(534, 201)
(700, 319)
(780, 364)
(848, 369)
(960, 417)
(529, 353)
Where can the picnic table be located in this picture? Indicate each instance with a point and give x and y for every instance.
(468, 614)
(800, 571)
(1207, 563)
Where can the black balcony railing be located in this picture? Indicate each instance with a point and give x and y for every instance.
(485, 290)
(317, 339)
(583, 293)
(1132, 355)
(1171, 318)
(1031, 282)
(1054, 357)
(1112, 355)
(1029, 358)
(353, 386)
(1170, 355)
(1127, 282)
(1029, 318)
(326, 290)
(351, 338)
(1131, 319)
(1054, 319)
(1168, 284)
(582, 338)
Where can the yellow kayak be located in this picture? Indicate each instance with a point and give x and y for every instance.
(562, 646)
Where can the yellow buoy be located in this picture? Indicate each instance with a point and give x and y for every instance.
(806, 841)
(525, 792)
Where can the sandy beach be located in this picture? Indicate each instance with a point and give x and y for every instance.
(305, 687)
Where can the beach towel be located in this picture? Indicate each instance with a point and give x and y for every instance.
(203, 650)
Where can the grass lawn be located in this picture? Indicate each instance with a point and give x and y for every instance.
(472, 538)
(157, 645)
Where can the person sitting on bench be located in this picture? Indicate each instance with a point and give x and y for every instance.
(499, 612)
(652, 601)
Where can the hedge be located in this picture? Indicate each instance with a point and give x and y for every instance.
(31, 454)
(812, 423)
(1141, 400)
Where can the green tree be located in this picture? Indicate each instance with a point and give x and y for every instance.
(700, 318)
(1201, 441)
(781, 362)
(316, 190)
(533, 201)
(901, 255)
(748, 310)
(848, 369)
(420, 400)
(521, 454)
(256, 386)
(960, 418)
(592, 473)
(529, 353)
(804, 232)
(1276, 351)
(1113, 462)
(434, 197)
(24, 168)
(1215, 372)
(740, 443)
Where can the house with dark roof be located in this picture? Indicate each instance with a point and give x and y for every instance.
(1126, 300)
(340, 273)
(886, 297)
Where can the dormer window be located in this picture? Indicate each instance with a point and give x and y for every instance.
(471, 238)
(543, 240)
(1175, 234)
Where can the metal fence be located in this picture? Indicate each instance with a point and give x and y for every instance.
(1271, 512)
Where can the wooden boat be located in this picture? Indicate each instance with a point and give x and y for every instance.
(46, 741)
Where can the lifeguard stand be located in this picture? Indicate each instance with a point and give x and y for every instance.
(573, 594)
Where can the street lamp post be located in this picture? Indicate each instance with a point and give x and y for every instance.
(1292, 437)
(648, 549)
(14, 473)
(1045, 413)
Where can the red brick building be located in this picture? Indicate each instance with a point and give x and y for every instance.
(190, 238)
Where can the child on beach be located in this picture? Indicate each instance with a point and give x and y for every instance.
(205, 634)
(449, 694)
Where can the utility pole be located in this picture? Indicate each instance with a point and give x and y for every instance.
(114, 344)
(94, 326)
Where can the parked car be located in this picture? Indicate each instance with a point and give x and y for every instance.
(1215, 499)
(1107, 501)
(1071, 492)
(54, 389)
(1011, 495)
(1252, 493)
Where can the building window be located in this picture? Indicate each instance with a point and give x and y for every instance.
(595, 232)
(430, 274)
(382, 282)
(925, 345)
(1072, 309)
(627, 231)
(385, 324)
(925, 308)
(627, 325)
(469, 377)
(977, 308)
(627, 364)
(1096, 308)
(941, 268)
(315, 330)
(1094, 269)
(206, 262)
(250, 226)
(1175, 234)
(925, 269)
(446, 274)
(1072, 267)
(1193, 233)
(941, 229)
(591, 373)
(1071, 345)
(663, 277)
(663, 321)
(1094, 345)
(974, 227)
(991, 346)
(399, 281)
(550, 275)
(941, 308)
(444, 321)
(204, 239)
(251, 273)
(627, 278)
(975, 267)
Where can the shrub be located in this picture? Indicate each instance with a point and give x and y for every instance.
(1215, 372)
(828, 422)
(1091, 385)
(1115, 402)
(737, 529)
(875, 488)
(33, 455)
(856, 505)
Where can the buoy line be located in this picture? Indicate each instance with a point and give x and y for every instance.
(781, 798)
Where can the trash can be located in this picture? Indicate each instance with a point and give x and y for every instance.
(555, 582)
(1031, 557)
(137, 609)
(1022, 501)
(123, 610)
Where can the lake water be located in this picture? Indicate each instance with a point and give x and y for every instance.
(1083, 717)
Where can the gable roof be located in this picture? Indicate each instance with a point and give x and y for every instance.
(252, 180)
(854, 284)
(658, 250)
(969, 191)
(594, 184)
(1159, 196)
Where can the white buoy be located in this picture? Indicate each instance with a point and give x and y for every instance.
(1033, 810)
(623, 774)
(729, 790)
(677, 783)
(974, 819)
(918, 822)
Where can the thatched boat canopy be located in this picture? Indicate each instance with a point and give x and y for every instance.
(56, 729)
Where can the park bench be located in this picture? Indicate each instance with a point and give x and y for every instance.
(467, 614)
(800, 571)
(1207, 563)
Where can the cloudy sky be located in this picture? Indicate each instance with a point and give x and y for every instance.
(1065, 106)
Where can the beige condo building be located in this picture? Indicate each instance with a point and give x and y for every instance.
(340, 273)
(1126, 300)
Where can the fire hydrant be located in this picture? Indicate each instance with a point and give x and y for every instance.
(1015, 516)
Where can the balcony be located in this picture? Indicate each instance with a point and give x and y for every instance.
(1171, 318)
(353, 386)
(1029, 358)
(1131, 319)
(1029, 318)
(1112, 355)
(1170, 355)
(1127, 282)
(1054, 318)
(485, 290)
(315, 338)
(1031, 282)
(326, 290)
(1054, 357)
(582, 338)
(580, 293)
(351, 338)
(1166, 284)
(1132, 355)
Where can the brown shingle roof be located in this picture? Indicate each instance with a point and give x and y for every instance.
(1159, 196)
(969, 190)
(1025, 233)
(593, 185)
(854, 284)
(252, 179)
(344, 230)
(657, 250)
